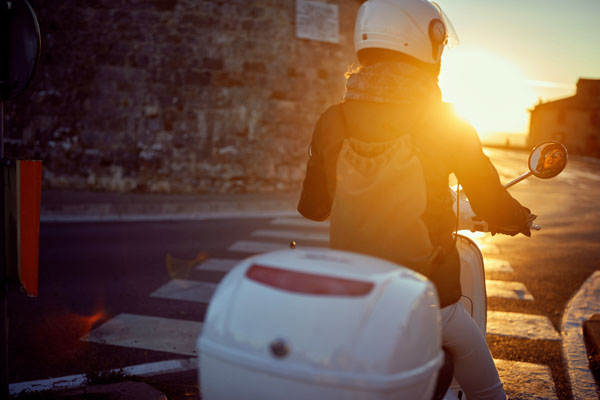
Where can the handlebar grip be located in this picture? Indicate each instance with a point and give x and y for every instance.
(536, 227)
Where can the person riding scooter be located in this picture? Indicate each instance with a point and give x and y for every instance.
(379, 164)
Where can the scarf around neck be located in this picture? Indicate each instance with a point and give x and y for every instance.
(391, 82)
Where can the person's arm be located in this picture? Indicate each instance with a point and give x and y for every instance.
(481, 183)
(319, 182)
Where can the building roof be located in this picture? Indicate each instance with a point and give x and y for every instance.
(581, 101)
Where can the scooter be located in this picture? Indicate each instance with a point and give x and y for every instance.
(310, 323)
(546, 160)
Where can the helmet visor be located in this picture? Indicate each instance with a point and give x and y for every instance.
(451, 36)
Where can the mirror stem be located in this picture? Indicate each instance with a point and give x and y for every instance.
(518, 179)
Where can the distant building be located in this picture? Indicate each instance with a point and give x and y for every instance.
(574, 121)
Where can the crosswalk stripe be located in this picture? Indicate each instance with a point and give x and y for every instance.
(148, 333)
(293, 235)
(477, 235)
(488, 248)
(525, 326)
(248, 246)
(181, 289)
(507, 290)
(495, 265)
(526, 380)
(217, 264)
(300, 222)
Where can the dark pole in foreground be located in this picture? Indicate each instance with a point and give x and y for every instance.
(20, 43)
(4, 391)
(4, 89)
(3, 281)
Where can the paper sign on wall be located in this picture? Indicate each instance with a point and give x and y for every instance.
(316, 20)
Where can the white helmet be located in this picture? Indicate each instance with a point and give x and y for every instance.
(418, 28)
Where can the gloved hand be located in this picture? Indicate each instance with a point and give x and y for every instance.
(514, 230)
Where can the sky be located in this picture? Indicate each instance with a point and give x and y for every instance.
(521, 50)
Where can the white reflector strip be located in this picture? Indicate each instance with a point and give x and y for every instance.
(525, 326)
(507, 290)
(217, 264)
(526, 380)
(494, 265)
(180, 289)
(292, 235)
(149, 333)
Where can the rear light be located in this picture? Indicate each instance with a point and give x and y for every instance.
(302, 282)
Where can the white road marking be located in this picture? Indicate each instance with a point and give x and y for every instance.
(300, 222)
(217, 264)
(63, 382)
(527, 326)
(181, 289)
(73, 381)
(526, 380)
(149, 333)
(507, 290)
(495, 265)
(160, 367)
(477, 235)
(292, 235)
(248, 246)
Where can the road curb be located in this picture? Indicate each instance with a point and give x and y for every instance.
(200, 216)
(583, 305)
(58, 206)
(77, 381)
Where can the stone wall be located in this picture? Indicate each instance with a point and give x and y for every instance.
(176, 95)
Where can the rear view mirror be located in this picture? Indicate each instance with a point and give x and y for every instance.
(548, 159)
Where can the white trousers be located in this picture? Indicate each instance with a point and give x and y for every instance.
(474, 367)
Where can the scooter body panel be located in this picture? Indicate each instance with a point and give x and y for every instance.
(472, 280)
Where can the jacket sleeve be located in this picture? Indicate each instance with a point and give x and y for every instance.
(479, 178)
(318, 187)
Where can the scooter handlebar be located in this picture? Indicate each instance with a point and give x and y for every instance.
(469, 221)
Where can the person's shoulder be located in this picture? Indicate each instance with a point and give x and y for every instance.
(329, 119)
(330, 112)
(329, 128)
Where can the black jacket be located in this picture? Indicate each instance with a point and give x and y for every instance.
(447, 145)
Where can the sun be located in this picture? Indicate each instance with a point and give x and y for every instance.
(487, 90)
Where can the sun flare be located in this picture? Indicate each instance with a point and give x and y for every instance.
(487, 90)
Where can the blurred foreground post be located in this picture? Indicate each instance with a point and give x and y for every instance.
(20, 44)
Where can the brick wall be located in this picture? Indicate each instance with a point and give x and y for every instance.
(176, 95)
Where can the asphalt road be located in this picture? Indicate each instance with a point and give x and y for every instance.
(555, 261)
(92, 273)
